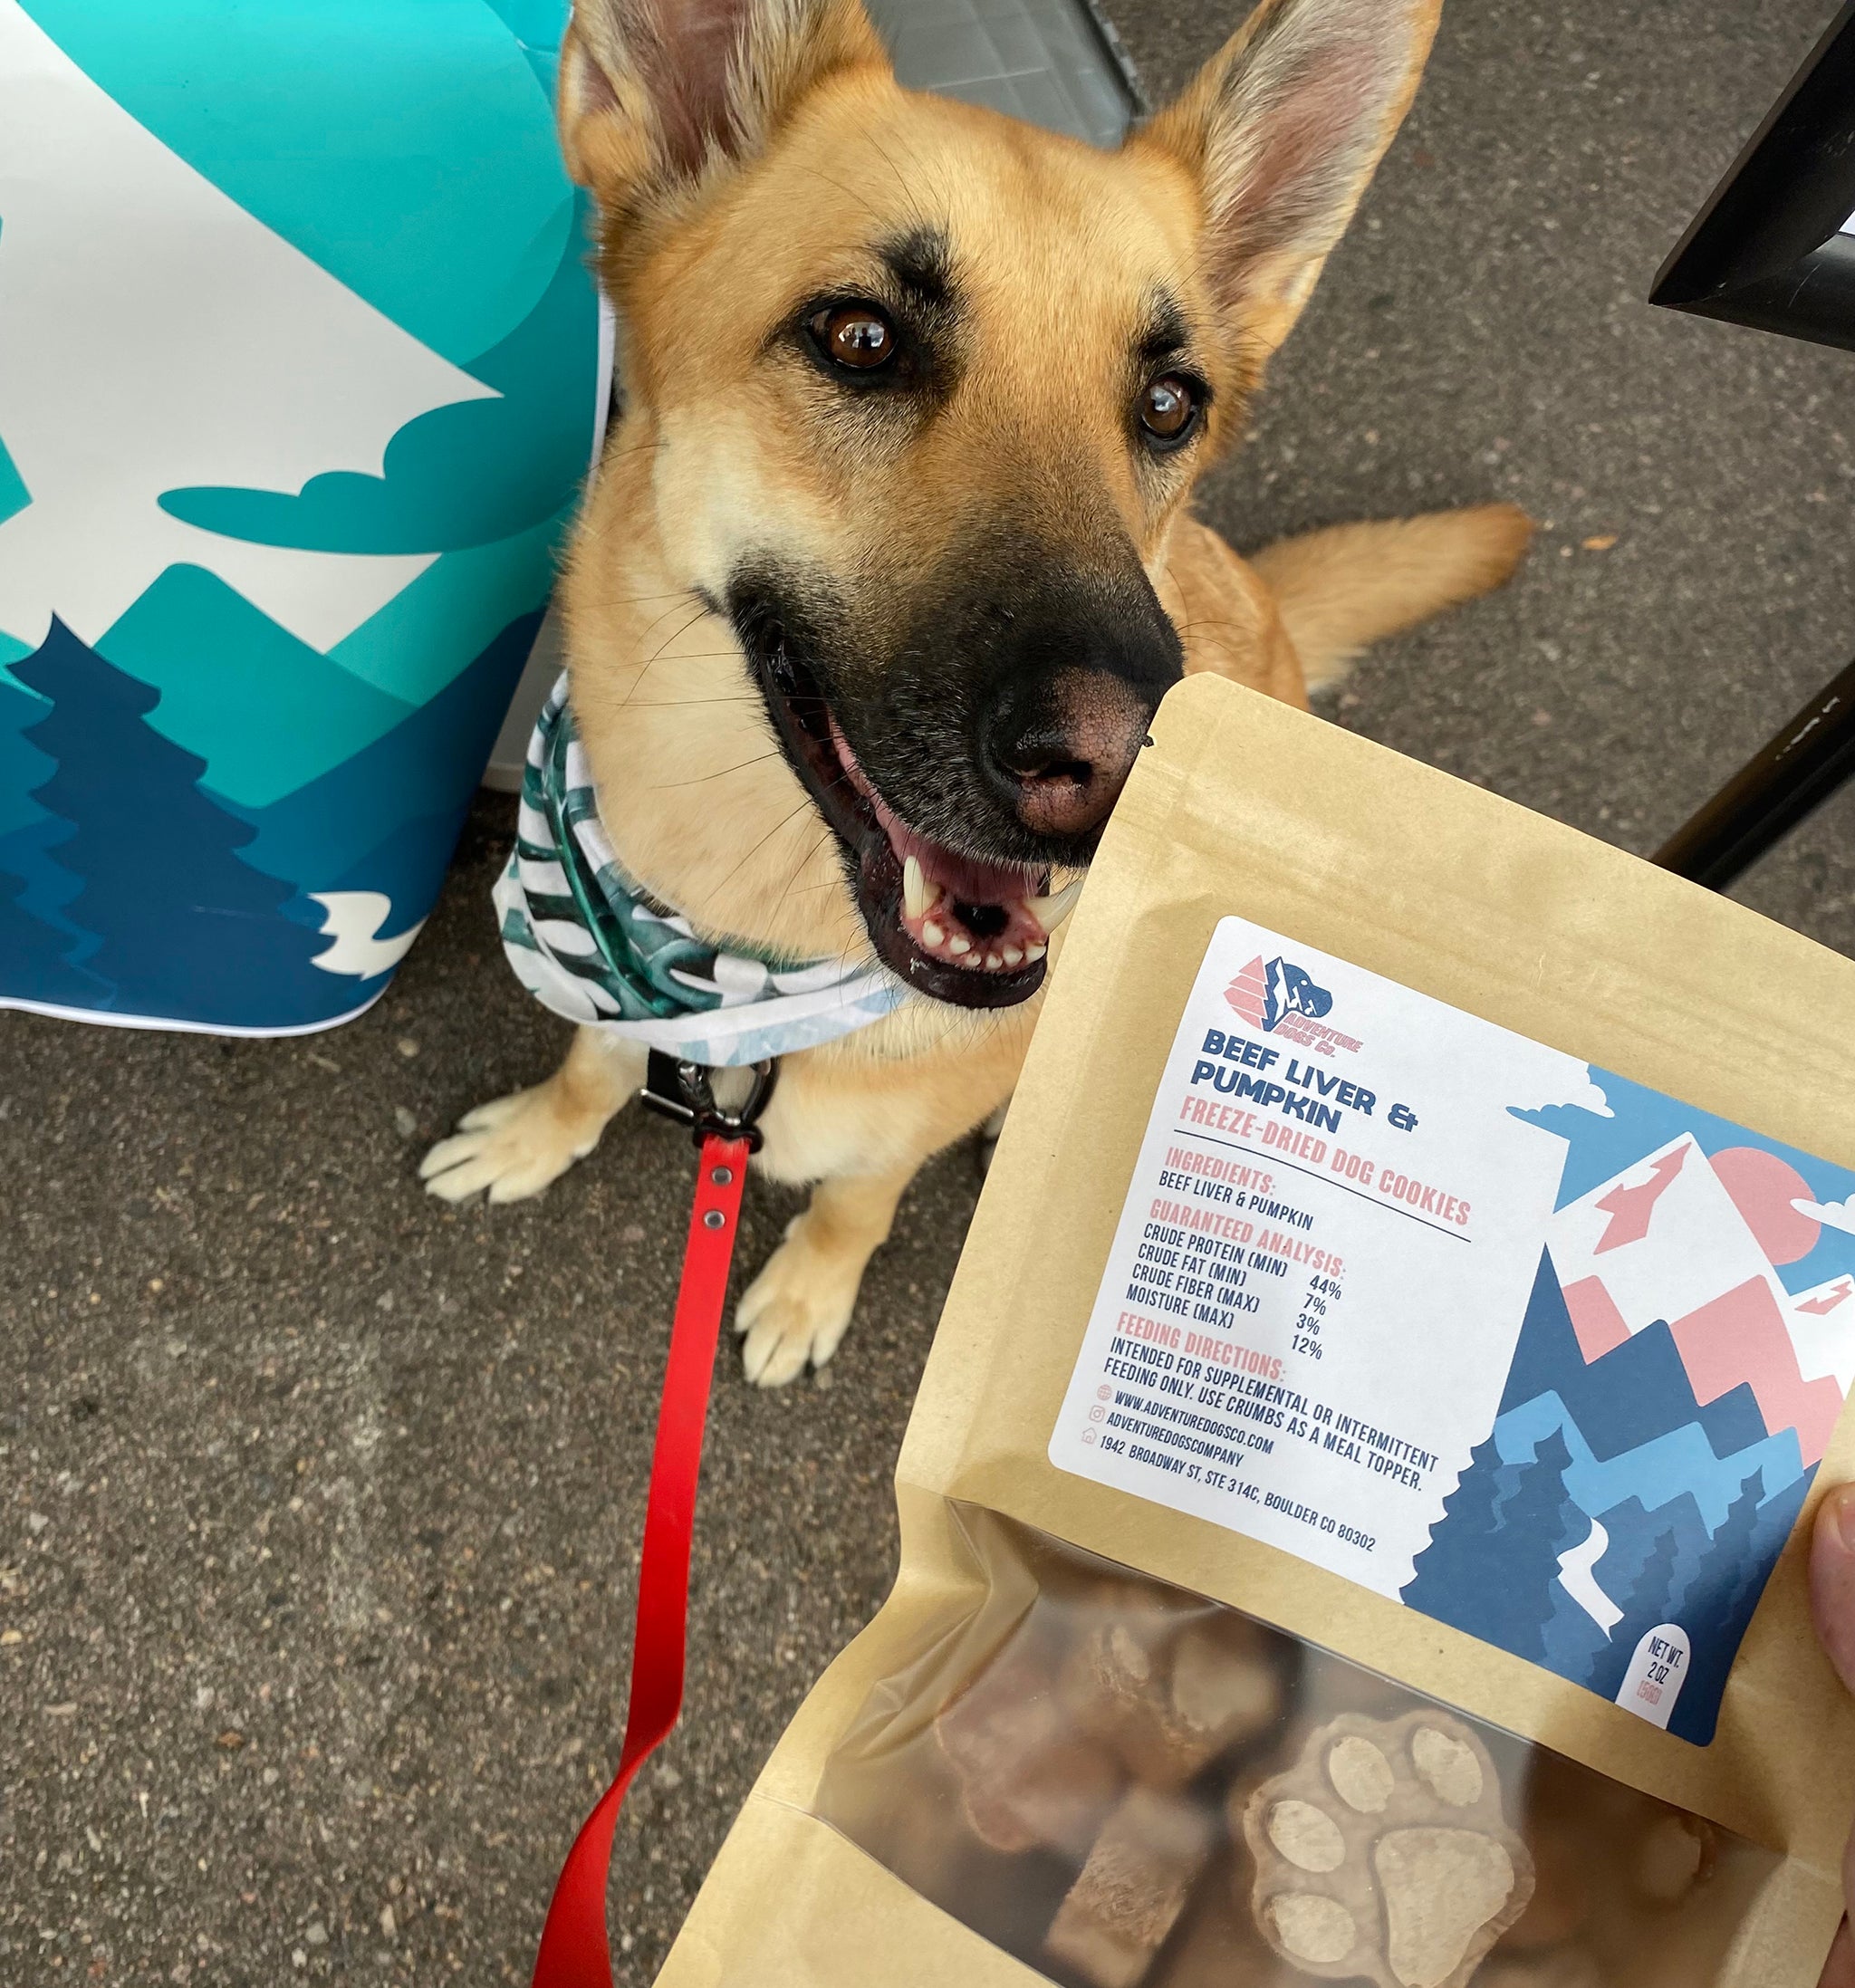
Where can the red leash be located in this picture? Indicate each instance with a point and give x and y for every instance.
(574, 1949)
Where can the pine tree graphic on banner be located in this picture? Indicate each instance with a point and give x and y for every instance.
(1646, 1610)
(33, 954)
(186, 929)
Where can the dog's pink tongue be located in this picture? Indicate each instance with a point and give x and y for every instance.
(967, 880)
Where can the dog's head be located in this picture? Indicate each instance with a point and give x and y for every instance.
(913, 394)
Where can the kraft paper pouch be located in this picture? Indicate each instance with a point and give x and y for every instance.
(1353, 1519)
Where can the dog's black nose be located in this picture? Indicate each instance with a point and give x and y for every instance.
(1060, 747)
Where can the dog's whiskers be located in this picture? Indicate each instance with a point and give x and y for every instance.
(745, 699)
(751, 853)
(702, 780)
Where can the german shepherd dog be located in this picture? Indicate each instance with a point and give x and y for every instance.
(889, 561)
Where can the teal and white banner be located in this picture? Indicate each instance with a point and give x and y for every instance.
(300, 363)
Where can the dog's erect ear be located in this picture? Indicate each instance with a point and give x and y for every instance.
(1283, 128)
(654, 92)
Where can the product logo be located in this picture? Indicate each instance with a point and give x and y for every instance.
(1275, 995)
(1262, 994)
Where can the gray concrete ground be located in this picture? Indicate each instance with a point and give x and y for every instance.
(319, 1503)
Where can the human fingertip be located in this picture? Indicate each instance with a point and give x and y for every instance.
(1836, 1521)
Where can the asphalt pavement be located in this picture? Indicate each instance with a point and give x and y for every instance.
(319, 1501)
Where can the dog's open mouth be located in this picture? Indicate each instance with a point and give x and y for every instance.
(955, 927)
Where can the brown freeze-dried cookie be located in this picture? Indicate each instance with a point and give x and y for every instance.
(1113, 1675)
(1383, 1853)
(1226, 1686)
(1132, 1890)
(1027, 1779)
(1676, 1853)
(1171, 1703)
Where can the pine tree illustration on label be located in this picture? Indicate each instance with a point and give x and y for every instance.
(271, 566)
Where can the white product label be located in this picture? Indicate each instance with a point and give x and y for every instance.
(1320, 1269)
(1529, 1347)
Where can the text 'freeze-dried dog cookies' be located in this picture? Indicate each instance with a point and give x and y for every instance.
(1139, 1875)
(1384, 1854)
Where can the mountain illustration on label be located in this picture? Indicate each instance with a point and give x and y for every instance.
(1687, 1351)
(1463, 1320)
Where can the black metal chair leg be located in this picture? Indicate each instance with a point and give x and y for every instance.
(1790, 777)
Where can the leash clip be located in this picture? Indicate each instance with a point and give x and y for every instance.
(683, 1092)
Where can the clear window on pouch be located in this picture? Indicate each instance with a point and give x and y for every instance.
(1124, 1785)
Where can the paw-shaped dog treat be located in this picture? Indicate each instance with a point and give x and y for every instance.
(1170, 1703)
(1027, 1779)
(1383, 1853)
(1133, 1887)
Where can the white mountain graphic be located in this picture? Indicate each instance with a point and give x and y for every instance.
(1578, 1577)
(154, 336)
(1822, 1329)
(1663, 1238)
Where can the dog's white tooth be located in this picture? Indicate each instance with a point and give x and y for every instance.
(959, 943)
(1051, 911)
(914, 887)
(931, 934)
(1035, 953)
(1013, 956)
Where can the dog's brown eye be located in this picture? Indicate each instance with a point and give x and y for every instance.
(854, 335)
(1168, 406)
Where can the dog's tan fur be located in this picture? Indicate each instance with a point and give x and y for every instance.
(727, 202)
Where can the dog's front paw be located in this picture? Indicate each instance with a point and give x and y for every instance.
(795, 1313)
(512, 1147)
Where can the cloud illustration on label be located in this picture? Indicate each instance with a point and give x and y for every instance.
(1832, 1214)
(1557, 1081)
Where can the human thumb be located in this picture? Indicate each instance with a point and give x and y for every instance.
(1833, 1580)
(1832, 1602)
